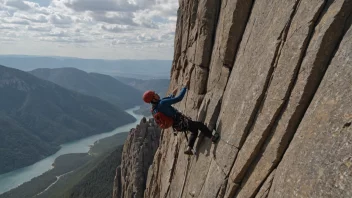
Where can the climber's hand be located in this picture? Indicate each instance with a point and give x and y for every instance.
(186, 83)
(174, 92)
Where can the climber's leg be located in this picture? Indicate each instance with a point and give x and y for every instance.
(202, 127)
(193, 128)
(205, 131)
(215, 137)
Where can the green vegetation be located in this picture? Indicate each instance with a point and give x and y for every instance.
(93, 179)
(62, 165)
(36, 116)
(107, 144)
(98, 182)
(82, 174)
(18, 147)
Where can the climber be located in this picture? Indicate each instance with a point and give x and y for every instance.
(177, 120)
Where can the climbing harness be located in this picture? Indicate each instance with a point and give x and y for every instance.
(181, 124)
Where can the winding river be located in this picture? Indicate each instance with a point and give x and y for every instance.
(17, 177)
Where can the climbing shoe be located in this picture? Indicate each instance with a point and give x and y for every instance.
(188, 151)
(215, 138)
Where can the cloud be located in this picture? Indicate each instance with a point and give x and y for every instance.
(16, 21)
(8, 39)
(36, 8)
(107, 5)
(108, 37)
(107, 25)
(4, 13)
(57, 34)
(60, 19)
(21, 5)
(39, 28)
(115, 28)
(166, 9)
(147, 23)
(146, 38)
(7, 27)
(38, 19)
(121, 18)
(168, 36)
(79, 40)
(64, 40)
(32, 18)
(10, 34)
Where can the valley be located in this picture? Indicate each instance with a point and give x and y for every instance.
(17, 177)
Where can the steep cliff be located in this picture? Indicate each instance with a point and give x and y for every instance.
(274, 79)
(137, 156)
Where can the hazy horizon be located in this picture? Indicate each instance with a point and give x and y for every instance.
(73, 57)
(131, 68)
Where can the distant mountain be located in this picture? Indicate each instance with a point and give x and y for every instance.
(93, 84)
(159, 85)
(36, 116)
(141, 69)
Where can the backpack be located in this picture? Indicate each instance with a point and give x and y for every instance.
(161, 119)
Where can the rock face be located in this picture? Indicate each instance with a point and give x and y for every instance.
(274, 79)
(137, 156)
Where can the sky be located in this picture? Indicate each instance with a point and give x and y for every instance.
(99, 29)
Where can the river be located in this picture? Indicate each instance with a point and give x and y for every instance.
(17, 177)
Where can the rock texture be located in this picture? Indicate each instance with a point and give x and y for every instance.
(318, 162)
(274, 79)
(137, 156)
(116, 193)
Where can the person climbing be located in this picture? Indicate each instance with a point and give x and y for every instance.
(167, 116)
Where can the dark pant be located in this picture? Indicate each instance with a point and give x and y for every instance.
(193, 127)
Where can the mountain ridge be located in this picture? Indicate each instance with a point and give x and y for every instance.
(37, 116)
(92, 84)
(125, 67)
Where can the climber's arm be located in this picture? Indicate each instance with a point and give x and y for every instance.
(171, 96)
(170, 101)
